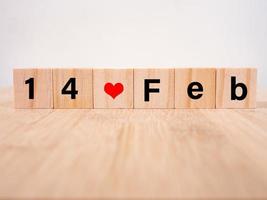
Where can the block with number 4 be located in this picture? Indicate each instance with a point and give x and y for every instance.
(33, 88)
(73, 88)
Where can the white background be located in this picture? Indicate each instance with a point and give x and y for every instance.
(137, 33)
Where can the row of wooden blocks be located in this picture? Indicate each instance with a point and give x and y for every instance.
(135, 88)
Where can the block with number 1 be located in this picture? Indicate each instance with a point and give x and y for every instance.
(33, 88)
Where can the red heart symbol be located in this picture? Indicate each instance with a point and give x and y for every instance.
(113, 90)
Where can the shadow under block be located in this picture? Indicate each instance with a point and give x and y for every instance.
(113, 88)
(33, 88)
(145, 98)
(82, 93)
(191, 78)
(239, 77)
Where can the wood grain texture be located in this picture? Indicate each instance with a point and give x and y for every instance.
(206, 77)
(43, 92)
(163, 99)
(248, 76)
(103, 76)
(84, 86)
(132, 154)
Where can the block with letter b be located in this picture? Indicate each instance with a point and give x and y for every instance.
(33, 88)
(236, 88)
(73, 88)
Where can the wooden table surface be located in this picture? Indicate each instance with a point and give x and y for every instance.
(91, 154)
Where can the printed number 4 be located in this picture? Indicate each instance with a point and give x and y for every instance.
(72, 84)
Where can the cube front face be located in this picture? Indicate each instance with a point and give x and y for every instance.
(236, 88)
(33, 88)
(113, 88)
(73, 88)
(154, 88)
(195, 88)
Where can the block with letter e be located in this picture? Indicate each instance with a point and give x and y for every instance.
(195, 87)
(236, 88)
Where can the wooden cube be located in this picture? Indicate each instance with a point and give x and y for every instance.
(236, 88)
(73, 88)
(154, 88)
(33, 88)
(113, 88)
(195, 88)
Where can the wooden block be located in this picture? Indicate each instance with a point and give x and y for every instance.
(73, 88)
(154, 88)
(202, 80)
(231, 87)
(113, 88)
(33, 88)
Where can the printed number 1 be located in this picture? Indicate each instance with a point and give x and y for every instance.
(31, 87)
(73, 92)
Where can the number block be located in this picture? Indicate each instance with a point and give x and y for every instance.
(154, 88)
(113, 88)
(236, 88)
(73, 88)
(33, 88)
(195, 88)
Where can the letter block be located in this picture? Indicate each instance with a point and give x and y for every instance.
(73, 88)
(154, 88)
(195, 87)
(236, 88)
(113, 88)
(33, 88)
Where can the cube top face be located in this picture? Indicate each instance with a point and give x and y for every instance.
(113, 88)
(187, 80)
(33, 88)
(154, 88)
(236, 88)
(78, 87)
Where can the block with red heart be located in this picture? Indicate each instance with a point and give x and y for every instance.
(113, 88)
